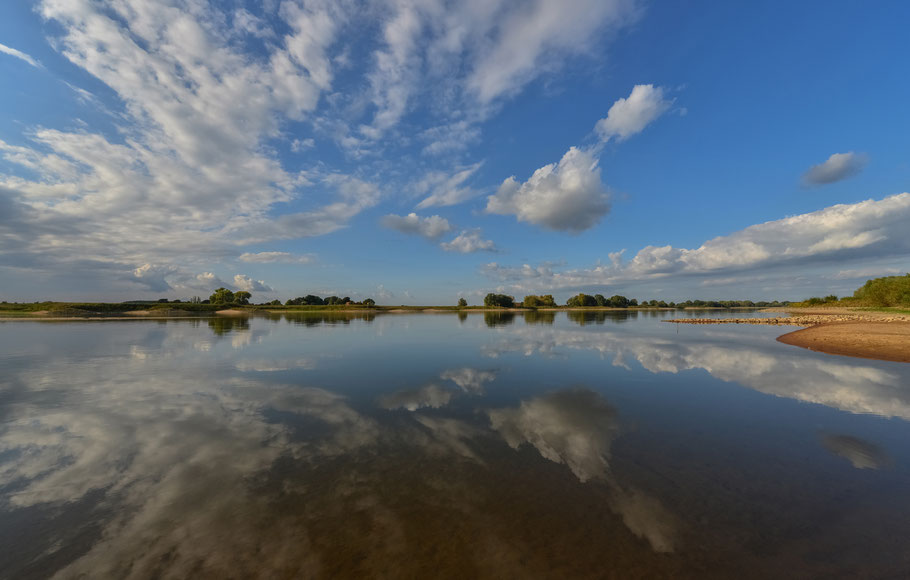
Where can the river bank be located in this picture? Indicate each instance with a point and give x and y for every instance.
(879, 335)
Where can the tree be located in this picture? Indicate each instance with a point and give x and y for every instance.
(369, 302)
(534, 301)
(501, 300)
(462, 302)
(242, 297)
(601, 301)
(581, 301)
(275, 303)
(618, 301)
(222, 296)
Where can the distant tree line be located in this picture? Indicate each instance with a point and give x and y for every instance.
(616, 301)
(313, 300)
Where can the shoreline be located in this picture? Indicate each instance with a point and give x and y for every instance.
(861, 334)
(889, 341)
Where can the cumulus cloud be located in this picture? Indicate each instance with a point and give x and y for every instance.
(20, 55)
(468, 241)
(632, 114)
(568, 196)
(836, 168)
(244, 282)
(828, 238)
(431, 227)
(271, 257)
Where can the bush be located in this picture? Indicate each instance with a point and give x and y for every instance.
(887, 291)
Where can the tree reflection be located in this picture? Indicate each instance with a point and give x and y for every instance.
(496, 318)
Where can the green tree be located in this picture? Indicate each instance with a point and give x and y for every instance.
(242, 297)
(581, 301)
(275, 303)
(600, 300)
(617, 301)
(369, 302)
(462, 302)
(500, 300)
(222, 296)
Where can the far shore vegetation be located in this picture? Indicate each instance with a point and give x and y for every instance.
(888, 293)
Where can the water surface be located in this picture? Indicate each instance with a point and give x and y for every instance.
(571, 444)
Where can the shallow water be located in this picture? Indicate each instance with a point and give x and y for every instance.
(418, 445)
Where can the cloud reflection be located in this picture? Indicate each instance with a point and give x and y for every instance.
(576, 427)
(469, 380)
(860, 453)
(412, 399)
(763, 365)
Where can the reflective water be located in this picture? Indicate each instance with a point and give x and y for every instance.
(548, 445)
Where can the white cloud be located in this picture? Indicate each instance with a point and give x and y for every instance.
(837, 167)
(631, 115)
(298, 145)
(444, 189)
(568, 196)
(154, 277)
(832, 237)
(468, 56)
(20, 55)
(271, 257)
(531, 37)
(244, 282)
(468, 241)
(188, 162)
(431, 227)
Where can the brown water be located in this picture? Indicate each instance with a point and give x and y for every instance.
(555, 446)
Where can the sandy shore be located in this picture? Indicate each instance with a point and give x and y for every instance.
(876, 340)
(864, 334)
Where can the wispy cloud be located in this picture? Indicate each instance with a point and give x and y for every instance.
(20, 55)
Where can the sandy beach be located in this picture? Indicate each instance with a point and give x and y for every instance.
(864, 334)
(875, 340)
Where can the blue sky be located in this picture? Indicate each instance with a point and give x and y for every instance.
(418, 151)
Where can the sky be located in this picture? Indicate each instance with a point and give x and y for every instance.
(419, 151)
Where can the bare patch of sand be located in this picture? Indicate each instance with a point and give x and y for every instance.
(875, 340)
(232, 312)
(138, 313)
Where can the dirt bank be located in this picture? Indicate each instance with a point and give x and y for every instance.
(876, 340)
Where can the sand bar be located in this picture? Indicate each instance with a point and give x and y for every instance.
(876, 340)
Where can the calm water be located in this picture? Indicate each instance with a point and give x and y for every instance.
(564, 445)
